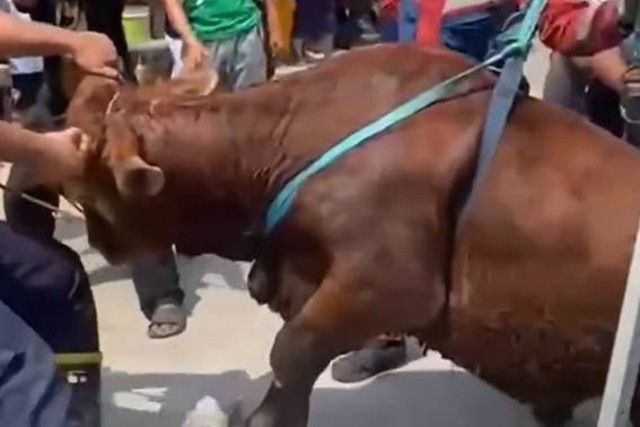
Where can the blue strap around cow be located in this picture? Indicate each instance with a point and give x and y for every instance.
(501, 105)
(518, 48)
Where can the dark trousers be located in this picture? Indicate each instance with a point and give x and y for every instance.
(155, 280)
(313, 19)
(46, 306)
(28, 86)
(46, 285)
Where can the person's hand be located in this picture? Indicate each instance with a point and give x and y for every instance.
(60, 159)
(95, 54)
(278, 45)
(194, 55)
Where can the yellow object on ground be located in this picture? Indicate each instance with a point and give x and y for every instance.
(136, 23)
(64, 359)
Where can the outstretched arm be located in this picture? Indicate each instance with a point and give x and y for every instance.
(194, 53)
(93, 52)
(51, 158)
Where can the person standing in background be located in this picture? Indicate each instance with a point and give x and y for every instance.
(223, 35)
(574, 34)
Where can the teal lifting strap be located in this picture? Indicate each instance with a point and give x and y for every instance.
(519, 47)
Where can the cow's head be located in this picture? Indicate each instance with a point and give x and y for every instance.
(122, 192)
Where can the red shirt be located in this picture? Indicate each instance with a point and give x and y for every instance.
(568, 26)
(577, 27)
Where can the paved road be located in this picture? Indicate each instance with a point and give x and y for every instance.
(224, 354)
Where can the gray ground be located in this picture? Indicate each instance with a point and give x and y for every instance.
(224, 354)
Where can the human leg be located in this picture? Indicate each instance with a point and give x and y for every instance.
(157, 284)
(30, 392)
(249, 63)
(564, 85)
(46, 286)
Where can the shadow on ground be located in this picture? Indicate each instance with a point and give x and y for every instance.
(209, 271)
(195, 273)
(159, 400)
(401, 399)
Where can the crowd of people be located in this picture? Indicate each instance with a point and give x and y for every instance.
(238, 38)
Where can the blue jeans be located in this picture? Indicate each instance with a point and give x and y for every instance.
(30, 392)
(470, 34)
(408, 21)
(37, 288)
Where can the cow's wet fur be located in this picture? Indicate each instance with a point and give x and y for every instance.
(526, 295)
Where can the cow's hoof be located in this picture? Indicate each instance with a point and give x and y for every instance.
(379, 357)
(270, 419)
(261, 420)
(280, 409)
(553, 417)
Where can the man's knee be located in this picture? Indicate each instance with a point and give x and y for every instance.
(47, 286)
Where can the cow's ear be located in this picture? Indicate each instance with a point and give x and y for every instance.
(136, 178)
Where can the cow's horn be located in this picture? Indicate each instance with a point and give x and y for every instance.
(134, 178)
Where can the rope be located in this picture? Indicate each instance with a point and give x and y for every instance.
(56, 210)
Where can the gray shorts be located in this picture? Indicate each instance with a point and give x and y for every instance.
(240, 61)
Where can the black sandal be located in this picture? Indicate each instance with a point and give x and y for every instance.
(168, 320)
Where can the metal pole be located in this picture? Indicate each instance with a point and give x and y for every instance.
(625, 358)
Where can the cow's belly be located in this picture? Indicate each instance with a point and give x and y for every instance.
(535, 302)
(537, 325)
(532, 361)
(540, 269)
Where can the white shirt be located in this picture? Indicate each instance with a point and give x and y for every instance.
(27, 64)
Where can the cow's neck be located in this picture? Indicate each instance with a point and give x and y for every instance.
(246, 152)
(262, 138)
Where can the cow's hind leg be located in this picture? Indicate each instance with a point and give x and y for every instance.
(342, 315)
(553, 416)
(325, 327)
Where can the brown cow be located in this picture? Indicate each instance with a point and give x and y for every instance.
(528, 295)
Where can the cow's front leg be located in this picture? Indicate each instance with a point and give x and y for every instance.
(330, 323)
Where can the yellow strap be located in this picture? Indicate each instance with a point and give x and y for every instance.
(67, 359)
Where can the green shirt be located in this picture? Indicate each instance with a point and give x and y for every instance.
(219, 20)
